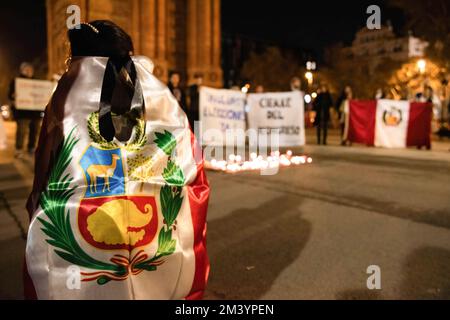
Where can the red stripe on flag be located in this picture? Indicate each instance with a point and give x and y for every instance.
(198, 192)
(419, 124)
(362, 121)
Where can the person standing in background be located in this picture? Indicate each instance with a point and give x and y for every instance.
(176, 89)
(194, 100)
(425, 96)
(429, 96)
(2, 135)
(343, 110)
(322, 106)
(296, 84)
(259, 88)
(379, 94)
(27, 120)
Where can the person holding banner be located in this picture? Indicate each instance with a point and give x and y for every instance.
(26, 119)
(296, 84)
(259, 88)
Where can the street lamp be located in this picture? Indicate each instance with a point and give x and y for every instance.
(245, 88)
(307, 98)
(421, 65)
(309, 76)
(310, 65)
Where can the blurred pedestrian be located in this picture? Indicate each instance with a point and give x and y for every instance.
(2, 134)
(259, 88)
(177, 90)
(426, 95)
(194, 100)
(296, 85)
(448, 113)
(429, 96)
(343, 110)
(322, 106)
(379, 94)
(27, 120)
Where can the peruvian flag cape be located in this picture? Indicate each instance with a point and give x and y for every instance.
(390, 123)
(113, 220)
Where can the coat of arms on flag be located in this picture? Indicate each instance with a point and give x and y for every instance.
(110, 219)
(392, 117)
(107, 217)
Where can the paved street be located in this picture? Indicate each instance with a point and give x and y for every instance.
(308, 232)
(311, 232)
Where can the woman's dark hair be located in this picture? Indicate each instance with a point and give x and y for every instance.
(103, 38)
(109, 41)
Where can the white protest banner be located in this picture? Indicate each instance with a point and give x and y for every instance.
(279, 110)
(33, 94)
(221, 111)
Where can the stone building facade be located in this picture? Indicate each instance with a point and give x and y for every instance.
(182, 35)
(376, 45)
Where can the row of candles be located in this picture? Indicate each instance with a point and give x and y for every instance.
(236, 163)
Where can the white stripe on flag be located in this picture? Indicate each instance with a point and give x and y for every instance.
(391, 124)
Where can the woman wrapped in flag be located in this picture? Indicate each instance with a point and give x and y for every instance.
(119, 201)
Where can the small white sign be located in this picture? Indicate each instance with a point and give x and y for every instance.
(33, 94)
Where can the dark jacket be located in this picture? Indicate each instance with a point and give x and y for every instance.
(194, 96)
(20, 114)
(179, 95)
(322, 106)
(339, 101)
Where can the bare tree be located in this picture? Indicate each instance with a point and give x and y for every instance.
(430, 20)
(273, 69)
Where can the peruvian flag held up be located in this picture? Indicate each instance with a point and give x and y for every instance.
(390, 123)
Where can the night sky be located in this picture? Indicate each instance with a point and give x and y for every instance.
(23, 30)
(311, 25)
(23, 36)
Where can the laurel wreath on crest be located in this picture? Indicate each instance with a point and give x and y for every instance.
(60, 234)
(137, 142)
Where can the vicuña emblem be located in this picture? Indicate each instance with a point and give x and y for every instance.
(102, 171)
